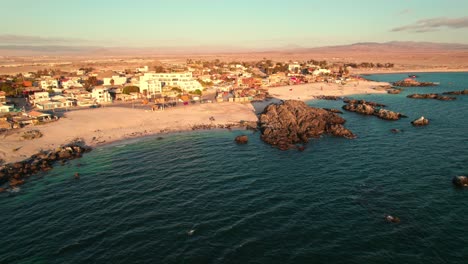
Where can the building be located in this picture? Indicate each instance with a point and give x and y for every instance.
(321, 72)
(2, 97)
(49, 83)
(71, 83)
(101, 95)
(5, 108)
(38, 97)
(294, 67)
(115, 80)
(154, 83)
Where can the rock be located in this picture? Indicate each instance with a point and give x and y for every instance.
(366, 109)
(31, 134)
(354, 101)
(413, 83)
(463, 92)
(336, 111)
(460, 181)
(420, 121)
(431, 96)
(292, 122)
(15, 182)
(393, 91)
(64, 154)
(77, 175)
(242, 139)
(392, 219)
(2, 190)
(395, 130)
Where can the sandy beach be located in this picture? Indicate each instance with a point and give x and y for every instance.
(109, 124)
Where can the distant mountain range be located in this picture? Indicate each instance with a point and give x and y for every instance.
(366, 47)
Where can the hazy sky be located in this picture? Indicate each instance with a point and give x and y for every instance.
(236, 23)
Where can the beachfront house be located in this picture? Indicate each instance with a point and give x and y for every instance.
(294, 67)
(142, 69)
(101, 95)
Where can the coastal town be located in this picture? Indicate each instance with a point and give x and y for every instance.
(33, 97)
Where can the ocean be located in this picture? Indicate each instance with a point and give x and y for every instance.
(199, 198)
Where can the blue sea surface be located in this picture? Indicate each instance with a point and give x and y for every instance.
(200, 198)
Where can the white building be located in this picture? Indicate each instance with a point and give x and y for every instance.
(293, 67)
(71, 83)
(38, 97)
(115, 80)
(154, 82)
(52, 83)
(5, 108)
(101, 95)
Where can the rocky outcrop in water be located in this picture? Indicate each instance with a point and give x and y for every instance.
(422, 121)
(460, 181)
(293, 122)
(413, 83)
(333, 110)
(365, 108)
(354, 101)
(463, 92)
(393, 91)
(242, 139)
(431, 96)
(15, 173)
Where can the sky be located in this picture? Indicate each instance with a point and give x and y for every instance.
(234, 23)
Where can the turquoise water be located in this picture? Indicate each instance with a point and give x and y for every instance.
(200, 198)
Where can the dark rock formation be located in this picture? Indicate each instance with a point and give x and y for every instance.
(413, 83)
(460, 181)
(31, 134)
(420, 121)
(336, 111)
(393, 91)
(364, 108)
(431, 96)
(354, 101)
(242, 139)
(462, 92)
(292, 122)
(14, 173)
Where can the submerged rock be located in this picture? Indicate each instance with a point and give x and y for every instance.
(393, 91)
(292, 122)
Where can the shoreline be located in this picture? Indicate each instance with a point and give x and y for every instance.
(107, 125)
(407, 71)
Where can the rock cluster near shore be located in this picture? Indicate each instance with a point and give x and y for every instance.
(462, 92)
(413, 83)
(294, 122)
(15, 173)
(371, 108)
(431, 96)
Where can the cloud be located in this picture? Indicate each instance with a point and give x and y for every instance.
(433, 24)
(35, 40)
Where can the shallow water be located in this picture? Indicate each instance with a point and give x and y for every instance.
(200, 198)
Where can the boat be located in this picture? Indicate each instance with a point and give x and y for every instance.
(412, 76)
